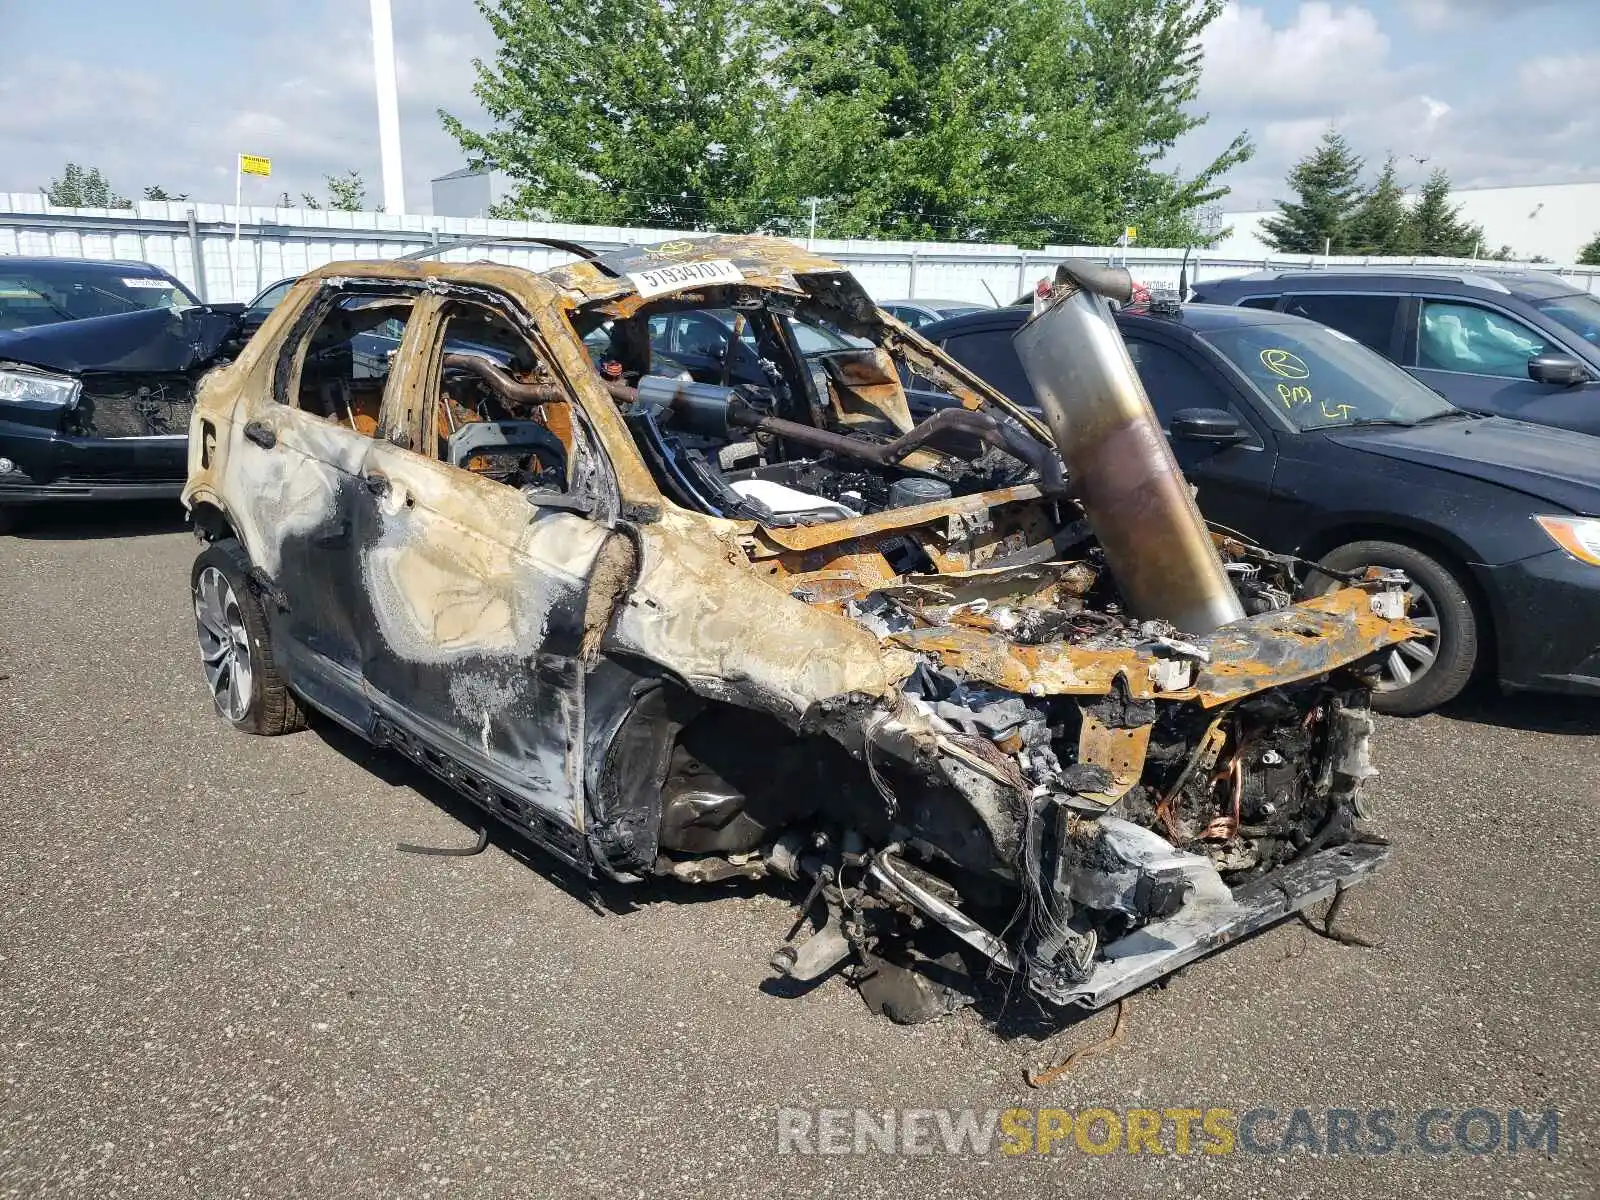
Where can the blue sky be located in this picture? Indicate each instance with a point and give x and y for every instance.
(165, 91)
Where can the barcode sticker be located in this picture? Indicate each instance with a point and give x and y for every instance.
(660, 280)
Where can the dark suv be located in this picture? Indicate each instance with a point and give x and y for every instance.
(1523, 345)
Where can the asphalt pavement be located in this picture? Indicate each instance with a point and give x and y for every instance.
(219, 978)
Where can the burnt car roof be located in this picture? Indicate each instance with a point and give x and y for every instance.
(763, 262)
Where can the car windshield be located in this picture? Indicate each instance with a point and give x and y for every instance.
(272, 297)
(48, 293)
(1579, 312)
(1321, 378)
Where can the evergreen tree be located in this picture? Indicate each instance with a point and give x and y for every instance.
(1381, 224)
(81, 187)
(1436, 224)
(1589, 256)
(1328, 184)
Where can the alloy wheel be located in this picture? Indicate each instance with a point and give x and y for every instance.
(224, 644)
(1408, 662)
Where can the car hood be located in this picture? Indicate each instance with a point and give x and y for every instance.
(1555, 465)
(155, 339)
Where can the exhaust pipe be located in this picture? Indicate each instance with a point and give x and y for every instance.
(1137, 500)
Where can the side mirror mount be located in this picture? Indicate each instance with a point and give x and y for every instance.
(1214, 425)
(1561, 370)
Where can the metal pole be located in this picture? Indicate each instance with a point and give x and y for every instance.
(198, 257)
(394, 189)
(811, 231)
(233, 251)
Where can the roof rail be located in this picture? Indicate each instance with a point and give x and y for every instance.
(1472, 279)
(574, 248)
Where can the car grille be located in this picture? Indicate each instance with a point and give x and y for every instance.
(136, 407)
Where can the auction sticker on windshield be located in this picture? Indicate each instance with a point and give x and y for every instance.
(660, 280)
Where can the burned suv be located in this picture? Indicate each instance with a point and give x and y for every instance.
(993, 705)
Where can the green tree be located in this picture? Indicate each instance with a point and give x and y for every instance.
(1436, 224)
(626, 111)
(156, 192)
(1328, 184)
(1140, 74)
(1005, 120)
(1381, 223)
(84, 187)
(1589, 256)
(993, 119)
(346, 193)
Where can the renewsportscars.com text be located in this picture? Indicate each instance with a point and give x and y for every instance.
(1176, 1131)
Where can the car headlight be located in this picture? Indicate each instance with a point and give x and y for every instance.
(1578, 536)
(35, 389)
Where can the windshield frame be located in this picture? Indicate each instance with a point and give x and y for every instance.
(1309, 335)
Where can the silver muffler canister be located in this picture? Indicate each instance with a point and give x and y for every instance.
(1118, 461)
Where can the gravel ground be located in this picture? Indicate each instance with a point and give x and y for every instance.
(218, 978)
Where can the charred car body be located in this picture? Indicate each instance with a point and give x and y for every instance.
(989, 710)
(99, 362)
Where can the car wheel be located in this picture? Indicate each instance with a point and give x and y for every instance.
(1422, 674)
(8, 519)
(236, 645)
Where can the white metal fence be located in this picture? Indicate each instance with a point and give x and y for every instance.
(195, 243)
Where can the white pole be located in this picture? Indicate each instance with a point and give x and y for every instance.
(811, 232)
(394, 189)
(238, 199)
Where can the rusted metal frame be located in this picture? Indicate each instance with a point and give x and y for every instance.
(1120, 750)
(1062, 669)
(810, 537)
(406, 398)
(641, 499)
(970, 389)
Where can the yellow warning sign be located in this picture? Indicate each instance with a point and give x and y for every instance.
(254, 164)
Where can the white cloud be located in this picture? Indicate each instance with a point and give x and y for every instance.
(1336, 66)
(1325, 54)
(304, 98)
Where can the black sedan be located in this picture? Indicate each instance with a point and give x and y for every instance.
(1307, 442)
(98, 365)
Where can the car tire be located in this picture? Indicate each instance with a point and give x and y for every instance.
(1438, 601)
(8, 519)
(236, 645)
